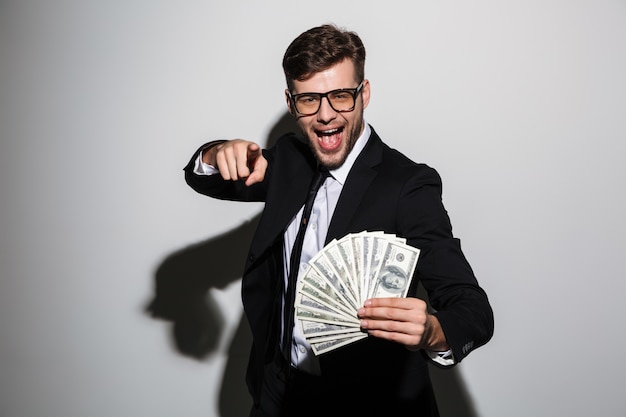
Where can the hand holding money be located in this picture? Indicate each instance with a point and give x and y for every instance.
(342, 276)
(405, 321)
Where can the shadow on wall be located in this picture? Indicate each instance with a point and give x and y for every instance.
(182, 296)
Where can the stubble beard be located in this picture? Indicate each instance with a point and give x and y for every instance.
(336, 159)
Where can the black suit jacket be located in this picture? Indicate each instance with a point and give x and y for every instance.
(384, 191)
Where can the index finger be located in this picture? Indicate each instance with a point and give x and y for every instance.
(246, 159)
(390, 302)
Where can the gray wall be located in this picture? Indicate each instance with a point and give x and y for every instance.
(520, 106)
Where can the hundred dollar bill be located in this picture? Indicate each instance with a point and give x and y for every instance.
(359, 266)
(316, 281)
(303, 301)
(323, 347)
(375, 250)
(311, 329)
(333, 255)
(345, 248)
(374, 247)
(326, 271)
(366, 250)
(395, 273)
(395, 238)
(328, 338)
(311, 310)
(331, 300)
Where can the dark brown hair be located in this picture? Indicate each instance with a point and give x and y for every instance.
(320, 48)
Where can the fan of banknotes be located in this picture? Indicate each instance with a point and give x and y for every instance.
(342, 276)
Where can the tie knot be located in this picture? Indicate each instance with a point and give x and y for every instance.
(318, 179)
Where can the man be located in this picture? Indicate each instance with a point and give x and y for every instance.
(371, 188)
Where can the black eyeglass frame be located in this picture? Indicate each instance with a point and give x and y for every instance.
(353, 91)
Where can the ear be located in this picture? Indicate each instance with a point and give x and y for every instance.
(365, 93)
(289, 103)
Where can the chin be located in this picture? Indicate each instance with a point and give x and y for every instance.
(331, 161)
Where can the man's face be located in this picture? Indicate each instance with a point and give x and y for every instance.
(332, 134)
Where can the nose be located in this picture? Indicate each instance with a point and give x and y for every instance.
(326, 112)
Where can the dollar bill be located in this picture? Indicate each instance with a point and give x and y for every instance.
(309, 309)
(394, 274)
(359, 264)
(343, 335)
(333, 255)
(325, 270)
(346, 249)
(311, 329)
(331, 300)
(315, 281)
(375, 252)
(323, 347)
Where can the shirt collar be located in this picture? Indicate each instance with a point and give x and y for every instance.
(340, 174)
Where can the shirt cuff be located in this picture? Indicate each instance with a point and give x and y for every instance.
(442, 358)
(200, 168)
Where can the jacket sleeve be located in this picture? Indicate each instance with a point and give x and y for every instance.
(460, 304)
(215, 186)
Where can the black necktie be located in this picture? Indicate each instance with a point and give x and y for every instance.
(294, 264)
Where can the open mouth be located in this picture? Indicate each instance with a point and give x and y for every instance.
(329, 139)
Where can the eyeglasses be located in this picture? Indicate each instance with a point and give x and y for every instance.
(341, 100)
